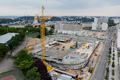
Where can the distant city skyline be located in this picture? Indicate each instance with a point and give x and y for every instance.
(60, 7)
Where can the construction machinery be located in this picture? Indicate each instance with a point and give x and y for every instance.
(80, 78)
(42, 34)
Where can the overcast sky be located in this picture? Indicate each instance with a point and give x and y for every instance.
(60, 7)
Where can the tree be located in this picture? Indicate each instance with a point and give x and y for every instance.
(107, 69)
(113, 64)
(109, 61)
(38, 36)
(113, 54)
(51, 31)
(25, 65)
(1, 54)
(111, 24)
(28, 26)
(106, 77)
(3, 50)
(14, 41)
(113, 73)
(113, 58)
(21, 56)
(109, 56)
(41, 69)
(110, 48)
(18, 37)
(33, 74)
(52, 26)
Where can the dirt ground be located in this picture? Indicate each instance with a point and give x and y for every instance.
(32, 42)
(67, 45)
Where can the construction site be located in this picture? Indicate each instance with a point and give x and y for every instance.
(71, 53)
(68, 55)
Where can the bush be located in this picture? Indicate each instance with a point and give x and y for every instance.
(109, 51)
(33, 74)
(109, 61)
(113, 54)
(113, 58)
(109, 56)
(113, 64)
(23, 60)
(3, 50)
(107, 69)
(106, 77)
(113, 73)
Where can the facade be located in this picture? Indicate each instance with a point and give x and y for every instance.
(101, 20)
(67, 28)
(118, 38)
(94, 26)
(104, 26)
(100, 24)
(116, 21)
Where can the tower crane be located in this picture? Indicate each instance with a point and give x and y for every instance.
(42, 24)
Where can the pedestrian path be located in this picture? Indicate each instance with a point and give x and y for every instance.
(116, 70)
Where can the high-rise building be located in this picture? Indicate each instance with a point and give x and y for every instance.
(100, 24)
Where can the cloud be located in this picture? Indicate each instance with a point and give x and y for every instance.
(60, 7)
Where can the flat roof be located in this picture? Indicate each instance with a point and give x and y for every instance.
(53, 53)
(6, 37)
(64, 77)
(56, 53)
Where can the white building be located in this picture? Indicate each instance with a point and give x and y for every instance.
(101, 20)
(94, 26)
(116, 21)
(118, 38)
(100, 24)
(68, 28)
(6, 37)
(104, 26)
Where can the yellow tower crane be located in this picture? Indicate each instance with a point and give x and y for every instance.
(42, 24)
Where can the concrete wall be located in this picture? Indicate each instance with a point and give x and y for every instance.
(69, 66)
(94, 26)
(104, 26)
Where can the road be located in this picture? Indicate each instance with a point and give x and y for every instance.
(7, 63)
(99, 71)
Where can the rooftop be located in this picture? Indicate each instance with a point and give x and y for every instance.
(6, 37)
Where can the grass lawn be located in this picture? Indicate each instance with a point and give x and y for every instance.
(33, 35)
(18, 75)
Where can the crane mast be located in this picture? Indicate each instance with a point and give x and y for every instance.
(42, 24)
(42, 35)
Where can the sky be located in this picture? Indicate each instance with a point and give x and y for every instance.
(60, 7)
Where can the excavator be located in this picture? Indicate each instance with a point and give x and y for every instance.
(42, 25)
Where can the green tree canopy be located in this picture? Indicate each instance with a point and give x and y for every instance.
(109, 56)
(21, 56)
(14, 40)
(24, 65)
(33, 74)
(3, 50)
(51, 31)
